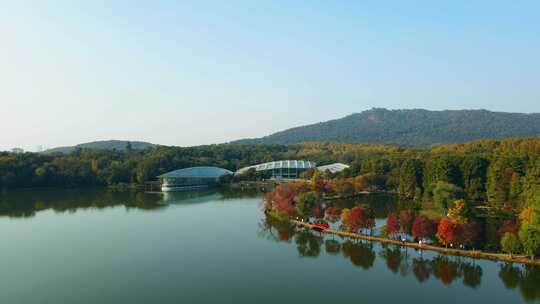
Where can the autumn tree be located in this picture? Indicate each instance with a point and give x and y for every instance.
(446, 231)
(468, 233)
(423, 227)
(392, 224)
(317, 182)
(360, 183)
(509, 226)
(406, 221)
(459, 212)
(357, 218)
(345, 217)
(332, 214)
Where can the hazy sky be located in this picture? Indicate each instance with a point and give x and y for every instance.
(200, 72)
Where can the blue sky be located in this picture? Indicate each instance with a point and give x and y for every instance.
(200, 72)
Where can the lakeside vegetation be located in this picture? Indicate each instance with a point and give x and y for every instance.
(483, 194)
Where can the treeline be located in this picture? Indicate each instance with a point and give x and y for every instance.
(501, 172)
(86, 167)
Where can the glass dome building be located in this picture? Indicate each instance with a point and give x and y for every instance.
(280, 169)
(191, 178)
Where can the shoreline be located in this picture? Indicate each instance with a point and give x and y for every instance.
(475, 254)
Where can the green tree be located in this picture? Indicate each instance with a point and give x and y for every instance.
(445, 193)
(305, 202)
(503, 179)
(510, 243)
(529, 235)
(474, 170)
(410, 178)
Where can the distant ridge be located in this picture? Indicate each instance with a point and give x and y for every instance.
(415, 127)
(102, 145)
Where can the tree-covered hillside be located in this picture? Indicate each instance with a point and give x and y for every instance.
(103, 145)
(410, 128)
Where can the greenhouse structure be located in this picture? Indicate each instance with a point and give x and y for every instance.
(191, 178)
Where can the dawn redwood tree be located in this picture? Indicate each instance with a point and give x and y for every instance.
(468, 234)
(358, 218)
(392, 224)
(360, 183)
(317, 181)
(317, 211)
(423, 227)
(405, 221)
(332, 214)
(446, 232)
(345, 217)
(509, 226)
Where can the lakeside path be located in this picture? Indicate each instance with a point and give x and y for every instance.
(476, 254)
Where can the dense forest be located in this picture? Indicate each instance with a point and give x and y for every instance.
(484, 193)
(414, 128)
(505, 171)
(103, 145)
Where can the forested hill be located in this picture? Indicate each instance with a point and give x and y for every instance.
(102, 145)
(415, 127)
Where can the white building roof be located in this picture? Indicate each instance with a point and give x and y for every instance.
(201, 172)
(293, 164)
(333, 168)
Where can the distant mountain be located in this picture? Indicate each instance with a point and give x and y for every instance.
(416, 127)
(102, 145)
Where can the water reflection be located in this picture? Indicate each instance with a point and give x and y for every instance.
(27, 203)
(526, 278)
(401, 260)
(24, 204)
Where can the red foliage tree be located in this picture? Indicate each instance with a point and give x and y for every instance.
(357, 218)
(446, 231)
(508, 226)
(468, 234)
(282, 198)
(332, 214)
(392, 224)
(405, 221)
(422, 227)
(317, 211)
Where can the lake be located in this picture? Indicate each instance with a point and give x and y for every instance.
(99, 246)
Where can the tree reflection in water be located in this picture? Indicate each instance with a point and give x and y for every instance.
(332, 247)
(26, 204)
(447, 269)
(307, 243)
(360, 253)
(526, 277)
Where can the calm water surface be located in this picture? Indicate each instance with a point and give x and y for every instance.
(97, 246)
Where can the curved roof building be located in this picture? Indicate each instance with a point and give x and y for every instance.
(190, 178)
(281, 168)
(333, 168)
